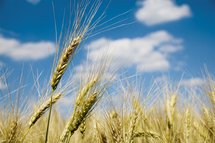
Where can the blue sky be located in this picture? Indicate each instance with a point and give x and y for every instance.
(166, 38)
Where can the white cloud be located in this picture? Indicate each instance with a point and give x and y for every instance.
(87, 70)
(33, 1)
(168, 49)
(192, 82)
(146, 54)
(17, 50)
(154, 12)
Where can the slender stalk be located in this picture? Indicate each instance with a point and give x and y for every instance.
(49, 118)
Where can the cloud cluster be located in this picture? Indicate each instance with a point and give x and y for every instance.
(146, 54)
(154, 12)
(17, 50)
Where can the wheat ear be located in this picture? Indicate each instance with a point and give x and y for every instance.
(187, 125)
(115, 126)
(209, 122)
(42, 109)
(85, 90)
(13, 132)
(170, 110)
(170, 116)
(78, 116)
(146, 134)
(64, 61)
(132, 127)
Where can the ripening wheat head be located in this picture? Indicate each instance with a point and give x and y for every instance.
(82, 26)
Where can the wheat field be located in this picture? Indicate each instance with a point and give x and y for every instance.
(106, 108)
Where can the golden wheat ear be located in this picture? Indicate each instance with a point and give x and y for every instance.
(42, 109)
(82, 27)
(79, 116)
(64, 61)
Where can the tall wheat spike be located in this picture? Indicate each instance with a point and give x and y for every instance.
(83, 25)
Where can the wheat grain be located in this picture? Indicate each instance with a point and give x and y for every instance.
(82, 129)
